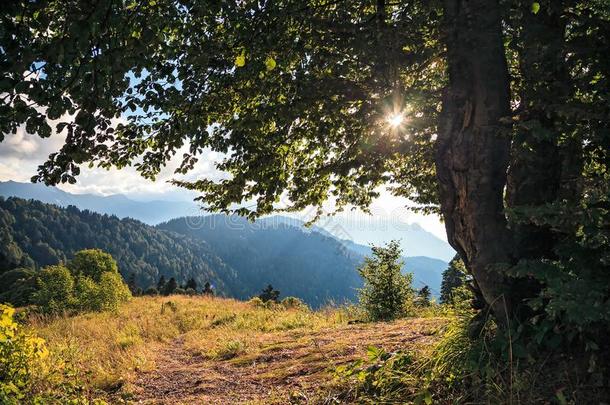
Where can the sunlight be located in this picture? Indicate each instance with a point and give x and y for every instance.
(395, 119)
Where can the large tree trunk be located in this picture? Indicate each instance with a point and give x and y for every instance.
(473, 146)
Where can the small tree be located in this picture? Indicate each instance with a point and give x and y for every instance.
(387, 293)
(151, 291)
(208, 289)
(423, 296)
(92, 263)
(453, 277)
(170, 287)
(55, 289)
(161, 284)
(269, 294)
(191, 283)
(132, 284)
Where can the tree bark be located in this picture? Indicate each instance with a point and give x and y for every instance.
(473, 145)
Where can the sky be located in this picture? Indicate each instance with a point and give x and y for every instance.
(21, 153)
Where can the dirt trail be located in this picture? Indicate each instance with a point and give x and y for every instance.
(287, 364)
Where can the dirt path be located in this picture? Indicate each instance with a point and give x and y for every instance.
(287, 364)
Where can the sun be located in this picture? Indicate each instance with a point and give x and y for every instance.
(394, 120)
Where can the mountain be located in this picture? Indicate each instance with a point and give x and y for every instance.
(426, 270)
(366, 229)
(362, 229)
(150, 212)
(38, 234)
(309, 265)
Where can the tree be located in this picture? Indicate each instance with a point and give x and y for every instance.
(161, 284)
(132, 284)
(55, 289)
(423, 296)
(92, 263)
(207, 289)
(386, 293)
(269, 294)
(192, 284)
(453, 277)
(314, 100)
(170, 287)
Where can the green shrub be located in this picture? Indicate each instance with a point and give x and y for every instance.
(293, 303)
(112, 292)
(387, 293)
(20, 354)
(256, 302)
(82, 289)
(92, 263)
(55, 289)
(17, 286)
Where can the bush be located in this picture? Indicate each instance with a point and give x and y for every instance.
(92, 263)
(55, 289)
(387, 293)
(256, 302)
(77, 288)
(17, 286)
(293, 303)
(151, 291)
(112, 292)
(20, 353)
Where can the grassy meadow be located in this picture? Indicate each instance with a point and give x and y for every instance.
(154, 348)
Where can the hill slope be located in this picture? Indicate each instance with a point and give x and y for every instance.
(150, 212)
(308, 265)
(43, 234)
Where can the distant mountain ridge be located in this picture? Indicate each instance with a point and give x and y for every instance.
(362, 229)
(149, 212)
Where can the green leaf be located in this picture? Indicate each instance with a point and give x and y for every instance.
(240, 60)
(535, 7)
(270, 63)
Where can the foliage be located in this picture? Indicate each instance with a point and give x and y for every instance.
(71, 288)
(474, 364)
(20, 355)
(423, 297)
(293, 303)
(55, 289)
(453, 277)
(387, 293)
(138, 249)
(269, 294)
(207, 289)
(92, 263)
(170, 287)
(17, 286)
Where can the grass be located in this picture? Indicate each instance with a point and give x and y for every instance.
(189, 345)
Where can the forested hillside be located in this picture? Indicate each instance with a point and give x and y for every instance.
(38, 234)
(237, 258)
(312, 266)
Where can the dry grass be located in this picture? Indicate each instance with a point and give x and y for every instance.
(182, 349)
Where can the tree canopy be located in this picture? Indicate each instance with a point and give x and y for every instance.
(493, 113)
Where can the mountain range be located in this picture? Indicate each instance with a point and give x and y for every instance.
(362, 229)
(239, 257)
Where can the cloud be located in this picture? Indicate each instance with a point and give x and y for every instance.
(21, 154)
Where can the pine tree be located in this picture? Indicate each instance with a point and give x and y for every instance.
(132, 284)
(208, 289)
(387, 292)
(453, 277)
(191, 283)
(423, 296)
(161, 284)
(170, 287)
(269, 294)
